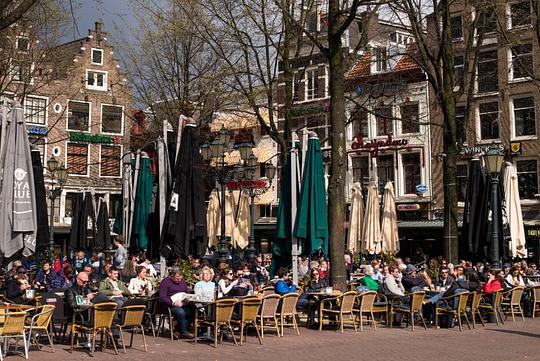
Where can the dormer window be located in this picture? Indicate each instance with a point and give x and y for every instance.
(381, 59)
(23, 44)
(97, 56)
(400, 39)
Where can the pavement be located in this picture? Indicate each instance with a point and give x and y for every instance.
(509, 342)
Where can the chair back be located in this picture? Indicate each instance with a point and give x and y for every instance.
(417, 299)
(13, 324)
(133, 315)
(250, 308)
(268, 290)
(288, 303)
(43, 318)
(517, 292)
(536, 294)
(270, 305)
(367, 299)
(462, 301)
(476, 299)
(56, 299)
(347, 301)
(104, 315)
(497, 299)
(224, 309)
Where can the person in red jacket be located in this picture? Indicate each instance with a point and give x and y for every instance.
(492, 283)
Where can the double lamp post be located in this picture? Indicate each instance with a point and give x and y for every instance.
(58, 176)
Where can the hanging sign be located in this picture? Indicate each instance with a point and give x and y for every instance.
(96, 138)
(515, 148)
(408, 207)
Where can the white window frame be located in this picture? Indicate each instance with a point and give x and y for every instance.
(513, 119)
(509, 15)
(511, 63)
(374, 123)
(418, 102)
(310, 73)
(491, 92)
(401, 171)
(119, 161)
(456, 15)
(95, 87)
(376, 62)
(478, 123)
(92, 56)
(46, 109)
(89, 116)
(89, 147)
(17, 66)
(101, 119)
(44, 157)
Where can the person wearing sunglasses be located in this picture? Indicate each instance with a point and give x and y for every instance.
(78, 292)
(445, 279)
(226, 283)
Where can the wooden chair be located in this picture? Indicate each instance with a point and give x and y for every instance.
(288, 310)
(412, 309)
(40, 325)
(268, 290)
(133, 321)
(103, 319)
(13, 327)
(268, 312)
(535, 306)
(250, 310)
(365, 303)
(474, 308)
(511, 303)
(493, 307)
(444, 307)
(345, 304)
(224, 308)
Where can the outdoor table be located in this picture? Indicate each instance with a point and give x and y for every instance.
(319, 296)
(201, 307)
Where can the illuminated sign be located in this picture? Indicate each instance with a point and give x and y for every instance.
(408, 207)
(377, 144)
(96, 138)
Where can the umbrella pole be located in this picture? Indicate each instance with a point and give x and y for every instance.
(162, 180)
(132, 197)
(294, 186)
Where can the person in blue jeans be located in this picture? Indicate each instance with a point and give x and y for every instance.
(170, 286)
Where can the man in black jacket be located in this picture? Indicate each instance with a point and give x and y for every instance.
(411, 281)
(78, 292)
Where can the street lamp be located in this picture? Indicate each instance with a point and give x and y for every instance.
(58, 174)
(493, 160)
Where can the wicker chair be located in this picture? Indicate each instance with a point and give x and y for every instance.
(443, 307)
(474, 308)
(345, 302)
(13, 327)
(365, 303)
(268, 311)
(103, 319)
(224, 308)
(535, 306)
(414, 308)
(250, 309)
(40, 325)
(511, 303)
(493, 307)
(133, 321)
(288, 310)
(380, 306)
(268, 290)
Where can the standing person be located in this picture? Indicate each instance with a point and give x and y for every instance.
(169, 287)
(120, 255)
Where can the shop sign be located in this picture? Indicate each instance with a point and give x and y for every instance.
(258, 184)
(408, 207)
(478, 150)
(376, 144)
(533, 232)
(37, 130)
(96, 138)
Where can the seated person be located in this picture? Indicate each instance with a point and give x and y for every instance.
(316, 283)
(63, 279)
(226, 282)
(259, 271)
(113, 288)
(445, 279)
(411, 280)
(392, 284)
(77, 293)
(244, 286)
(205, 288)
(17, 286)
(148, 264)
(13, 271)
(369, 284)
(140, 285)
(168, 288)
(492, 284)
(282, 286)
(45, 277)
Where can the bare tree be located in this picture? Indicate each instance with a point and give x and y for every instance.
(12, 11)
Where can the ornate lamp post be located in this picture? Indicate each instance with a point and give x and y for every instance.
(58, 175)
(494, 159)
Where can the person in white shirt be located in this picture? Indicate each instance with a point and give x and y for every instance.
(205, 288)
(226, 283)
(140, 285)
(151, 270)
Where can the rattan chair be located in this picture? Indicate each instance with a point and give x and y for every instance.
(412, 309)
(535, 302)
(444, 307)
(474, 308)
(365, 303)
(344, 303)
(133, 321)
(13, 327)
(268, 312)
(268, 290)
(101, 325)
(40, 325)
(287, 310)
(250, 310)
(511, 303)
(493, 307)
(224, 308)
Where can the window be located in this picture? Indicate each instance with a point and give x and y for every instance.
(462, 181)
(39, 143)
(456, 27)
(385, 170)
(297, 87)
(110, 160)
(115, 204)
(360, 124)
(360, 169)
(520, 14)
(312, 84)
(78, 116)
(69, 204)
(97, 56)
(312, 21)
(411, 170)
(522, 61)
(409, 118)
(383, 114)
(488, 80)
(459, 68)
(527, 178)
(460, 123)
(96, 80)
(487, 21)
(111, 119)
(319, 124)
(23, 44)
(489, 120)
(22, 72)
(35, 110)
(77, 158)
(524, 117)
(381, 59)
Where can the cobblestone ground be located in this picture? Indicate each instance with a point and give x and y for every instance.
(511, 341)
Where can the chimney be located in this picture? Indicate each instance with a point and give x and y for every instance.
(98, 26)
